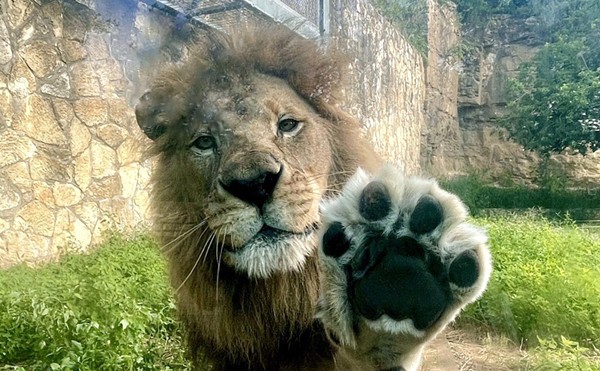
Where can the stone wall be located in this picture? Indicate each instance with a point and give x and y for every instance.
(441, 134)
(71, 164)
(467, 140)
(388, 80)
(482, 97)
(71, 155)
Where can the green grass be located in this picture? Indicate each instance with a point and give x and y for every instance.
(113, 309)
(545, 290)
(563, 355)
(110, 310)
(479, 196)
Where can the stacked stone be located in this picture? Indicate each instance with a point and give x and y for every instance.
(387, 82)
(71, 164)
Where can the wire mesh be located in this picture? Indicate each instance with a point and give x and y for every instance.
(309, 9)
(225, 14)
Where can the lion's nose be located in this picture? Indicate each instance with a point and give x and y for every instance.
(253, 178)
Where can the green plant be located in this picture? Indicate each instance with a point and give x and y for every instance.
(475, 14)
(411, 18)
(545, 282)
(554, 102)
(563, 354)
(551, 193)
(112, 309)
(551, 179)
(472, 190)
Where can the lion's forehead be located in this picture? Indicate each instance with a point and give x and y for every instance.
(259, 97)
(219, 102)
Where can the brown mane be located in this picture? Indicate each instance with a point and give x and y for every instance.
(243, 320)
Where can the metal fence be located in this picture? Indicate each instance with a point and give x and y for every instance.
(309, 17)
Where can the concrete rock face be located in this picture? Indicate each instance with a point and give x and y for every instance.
(64, 119)
(71, 154)
(441, 132)
(465, 97)
(387, 84)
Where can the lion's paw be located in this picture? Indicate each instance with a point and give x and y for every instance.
(399, 260)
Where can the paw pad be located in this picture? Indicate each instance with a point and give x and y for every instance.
(399, 255)
(426, 216)
(463, 269)
(335, 243)
(375, 202)
(398, 283)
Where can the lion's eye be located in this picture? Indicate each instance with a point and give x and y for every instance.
(204, 142)
(288, 126)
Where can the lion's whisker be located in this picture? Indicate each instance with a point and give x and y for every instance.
(219, 254)
(181, 237)
(195, 264)
(205, 251)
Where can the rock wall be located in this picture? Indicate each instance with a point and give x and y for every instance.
(441, 135)
(71, 155)
(482, 97)
(387, 89)
(468, 140)
(71, 158)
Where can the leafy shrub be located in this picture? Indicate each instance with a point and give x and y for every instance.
(545, 282)
(110, 310)
(479, 195)
(473, 191)
(410, 17)
(554, 103)
(113, 309)
(563, 354)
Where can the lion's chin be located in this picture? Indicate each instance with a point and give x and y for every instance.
(271, 251)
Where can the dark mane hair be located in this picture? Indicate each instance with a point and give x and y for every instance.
(314, 72)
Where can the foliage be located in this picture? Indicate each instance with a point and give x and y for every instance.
(563, 354)
(475, 13)
(113, 309)
(410, 17)
(545, 283)
(554, 102)
(110, 310)
(479, 195)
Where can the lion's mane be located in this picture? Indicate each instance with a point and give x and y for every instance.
(231, 317)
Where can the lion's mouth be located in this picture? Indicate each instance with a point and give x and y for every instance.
(270, 235)
(272, 250)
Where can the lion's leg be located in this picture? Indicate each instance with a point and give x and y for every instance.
(399, 263)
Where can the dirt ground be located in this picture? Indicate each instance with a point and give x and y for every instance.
(469, 350)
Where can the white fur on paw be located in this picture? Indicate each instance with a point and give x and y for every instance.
(444, 241)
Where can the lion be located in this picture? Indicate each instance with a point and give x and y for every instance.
(291, 244)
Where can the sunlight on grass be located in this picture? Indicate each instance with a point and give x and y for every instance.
(113, 309)
(110, 310)
(545, 291)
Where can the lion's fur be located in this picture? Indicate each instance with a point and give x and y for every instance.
(266, 323)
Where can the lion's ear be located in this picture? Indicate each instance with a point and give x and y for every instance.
(149, 113)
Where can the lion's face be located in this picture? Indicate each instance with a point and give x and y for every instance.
(260, 158)
(250, 139)
(271, 158)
